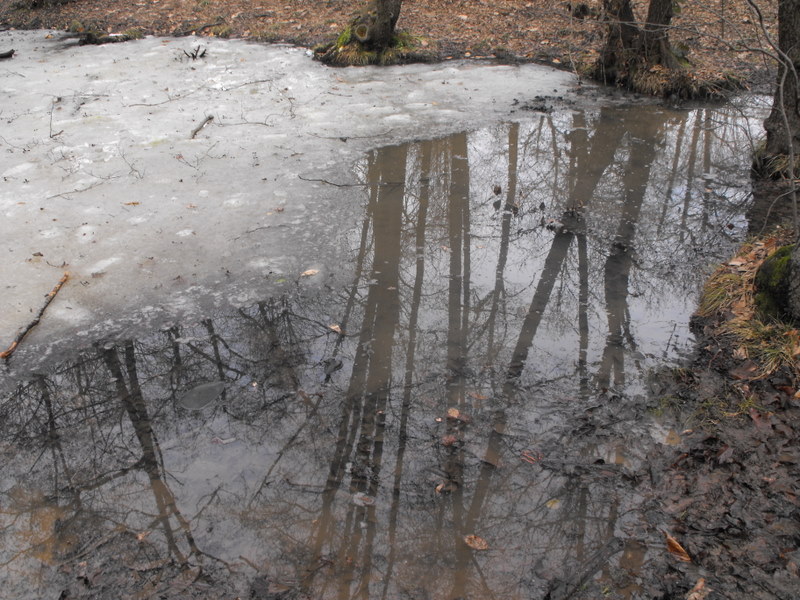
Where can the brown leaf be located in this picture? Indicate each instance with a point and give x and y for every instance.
(699, 591)
(676, 549)
(475, 542)
(747, 370)
(335, 328)
(309, 273)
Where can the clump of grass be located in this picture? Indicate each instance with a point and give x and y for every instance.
(222, 30)
(133, 33)
(773, 166)
(730, 296)
(719, 293)
(348, 49)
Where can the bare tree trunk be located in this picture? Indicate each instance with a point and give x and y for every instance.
(654, 42)
(630, 48)
(786, 104)
(621, 37)
(387, 13)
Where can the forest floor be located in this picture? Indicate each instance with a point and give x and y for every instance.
(733, 488)
(719, 38)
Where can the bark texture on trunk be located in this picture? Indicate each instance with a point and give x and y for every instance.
(630, 47)
(654, 42)
(386, 14)
(621, 38)
(786, 104)
(794, 284)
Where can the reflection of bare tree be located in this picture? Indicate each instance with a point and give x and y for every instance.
(411, 347)
(151, 461)
(341, 478)
(362, 421)
(641, 153)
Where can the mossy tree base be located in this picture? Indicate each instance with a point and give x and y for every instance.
(772, 285)
(349, 50)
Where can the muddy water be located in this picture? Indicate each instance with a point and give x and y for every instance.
(468, 417)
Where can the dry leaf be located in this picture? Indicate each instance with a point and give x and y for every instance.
(476, 543)
(453, 413)
(699, 591)
(309, 272)
(131, 203)
(676, 549)
(335, 328)
(554, 503)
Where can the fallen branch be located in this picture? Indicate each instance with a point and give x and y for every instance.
(48, 299)
(197, 129)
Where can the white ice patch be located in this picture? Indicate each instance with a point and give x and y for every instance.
(18, 170)
(101, 265)
(123, 134)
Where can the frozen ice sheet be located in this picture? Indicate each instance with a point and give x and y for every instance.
(105, 174)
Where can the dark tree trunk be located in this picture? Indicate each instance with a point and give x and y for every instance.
(654, 42)
(621, 38)
(786, 105)
(386, 14)
(628, 47)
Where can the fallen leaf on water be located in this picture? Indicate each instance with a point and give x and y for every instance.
(309, 272)
(676, 549)
(475, 542)
(362, 499)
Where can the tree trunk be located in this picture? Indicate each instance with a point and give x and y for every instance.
(629, 48)
(621, 38)
(387, 13)
(794, 284)
(786, 104)
(654, 43)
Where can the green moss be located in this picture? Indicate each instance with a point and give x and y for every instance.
(344, 38)
(772, 284)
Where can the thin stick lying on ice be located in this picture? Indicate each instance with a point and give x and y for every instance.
(48, 299)
(197, 129)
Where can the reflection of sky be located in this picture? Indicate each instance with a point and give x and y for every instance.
(249, 473)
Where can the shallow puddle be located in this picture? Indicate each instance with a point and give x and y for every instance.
(468, 418)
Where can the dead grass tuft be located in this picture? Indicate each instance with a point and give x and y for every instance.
(729, 297)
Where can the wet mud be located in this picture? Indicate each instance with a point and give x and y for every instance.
(473, 413)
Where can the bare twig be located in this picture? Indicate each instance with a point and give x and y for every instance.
(48, 299)
(197, 129)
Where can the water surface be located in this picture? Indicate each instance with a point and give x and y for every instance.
(469, 417)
